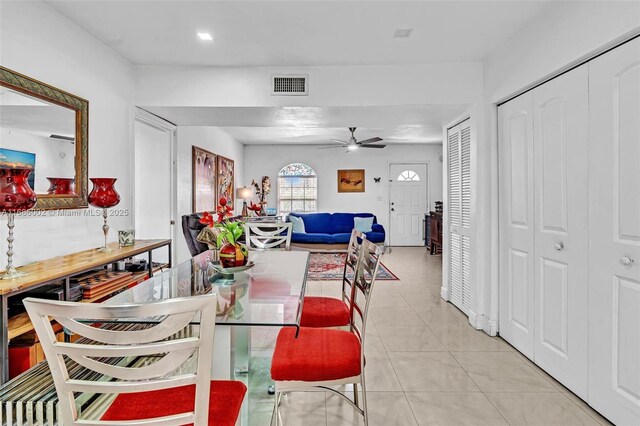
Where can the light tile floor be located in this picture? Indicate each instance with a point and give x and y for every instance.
(425, 365)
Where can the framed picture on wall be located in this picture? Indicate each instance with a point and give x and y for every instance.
(204, 180)
(225, 179)
(11, 158)
(351, 180)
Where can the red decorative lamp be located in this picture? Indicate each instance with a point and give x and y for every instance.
(61, 186)
(15, 196)
(104, 195)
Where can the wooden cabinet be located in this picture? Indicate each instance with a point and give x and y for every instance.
(63, 269)
(435, 232)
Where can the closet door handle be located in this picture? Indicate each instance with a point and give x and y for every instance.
(626, 260)
(559, 246)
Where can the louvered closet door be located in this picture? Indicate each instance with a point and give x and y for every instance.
(515, 121)
(561, 220)
(460, 224)
(614, 240)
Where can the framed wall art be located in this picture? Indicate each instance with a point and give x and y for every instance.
(204, 179)
(351, 180)
(12, 158)
(226, 183)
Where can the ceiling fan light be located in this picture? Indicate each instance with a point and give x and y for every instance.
(352, 147)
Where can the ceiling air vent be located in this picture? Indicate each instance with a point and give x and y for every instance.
(290, 85)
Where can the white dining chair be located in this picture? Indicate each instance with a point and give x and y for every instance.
(172, 386)
(268, 236)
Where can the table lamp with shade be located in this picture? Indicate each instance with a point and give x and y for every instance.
(104, 195)
(244, 194)
(15, 196)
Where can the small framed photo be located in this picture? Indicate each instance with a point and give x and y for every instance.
(351, 180)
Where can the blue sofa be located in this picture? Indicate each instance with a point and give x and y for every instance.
(332, 229)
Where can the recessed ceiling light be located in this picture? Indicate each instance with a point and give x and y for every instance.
(205, 37)
(403, 33)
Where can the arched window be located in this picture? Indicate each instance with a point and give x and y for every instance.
(408, 175)
(297, 188)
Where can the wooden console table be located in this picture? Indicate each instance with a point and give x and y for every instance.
(62, 269)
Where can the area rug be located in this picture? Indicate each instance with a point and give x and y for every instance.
(330, 266)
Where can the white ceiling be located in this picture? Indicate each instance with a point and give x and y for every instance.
(287, 33)
(312, 125)
(305, 33)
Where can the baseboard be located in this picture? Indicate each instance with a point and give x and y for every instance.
(488, 326)
(444, 293)
(481, 322)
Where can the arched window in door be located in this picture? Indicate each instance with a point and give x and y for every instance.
(297, 189)
(408, 175)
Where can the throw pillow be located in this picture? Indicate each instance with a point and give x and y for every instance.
(298, 224)
(363, 224)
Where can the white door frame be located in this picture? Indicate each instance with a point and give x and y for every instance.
(408, 163)
(152, 120)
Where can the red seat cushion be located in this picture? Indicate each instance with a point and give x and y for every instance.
(324, 312)
(317, 354)
(225, 400)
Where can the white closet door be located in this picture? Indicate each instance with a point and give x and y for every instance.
(561, 228)
(455, 217)
(465, 214)
(460, 223)
(614, 266)
(515, 120)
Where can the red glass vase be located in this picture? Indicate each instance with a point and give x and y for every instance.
(15, 196)
(15, 193)
(103, 194)
(61, 186)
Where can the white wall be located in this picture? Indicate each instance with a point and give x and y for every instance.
(214, 140)
(268, 160)
(459, 83)
(565, 33)
(37, 41)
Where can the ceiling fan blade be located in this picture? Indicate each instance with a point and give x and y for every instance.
(372, 146)
(372, 140)
(339, 141)
(332, 146)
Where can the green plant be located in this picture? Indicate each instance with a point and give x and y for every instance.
(230, 232)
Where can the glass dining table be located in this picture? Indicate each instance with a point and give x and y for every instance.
(268, 294)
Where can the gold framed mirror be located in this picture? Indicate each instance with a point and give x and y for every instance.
(46, 129)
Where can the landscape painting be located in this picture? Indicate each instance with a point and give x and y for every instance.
(351, 180)
(19, 159)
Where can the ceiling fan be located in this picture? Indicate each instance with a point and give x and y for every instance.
(352, 144)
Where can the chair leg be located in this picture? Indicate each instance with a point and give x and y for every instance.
(355, 394)
(364, 400)
(275, 417)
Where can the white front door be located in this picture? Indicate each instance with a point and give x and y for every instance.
(561, 215)
(614, 230)
(408, 203)
(153, 184)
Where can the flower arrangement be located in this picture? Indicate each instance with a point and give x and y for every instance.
(228, 233)
(262, 190)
